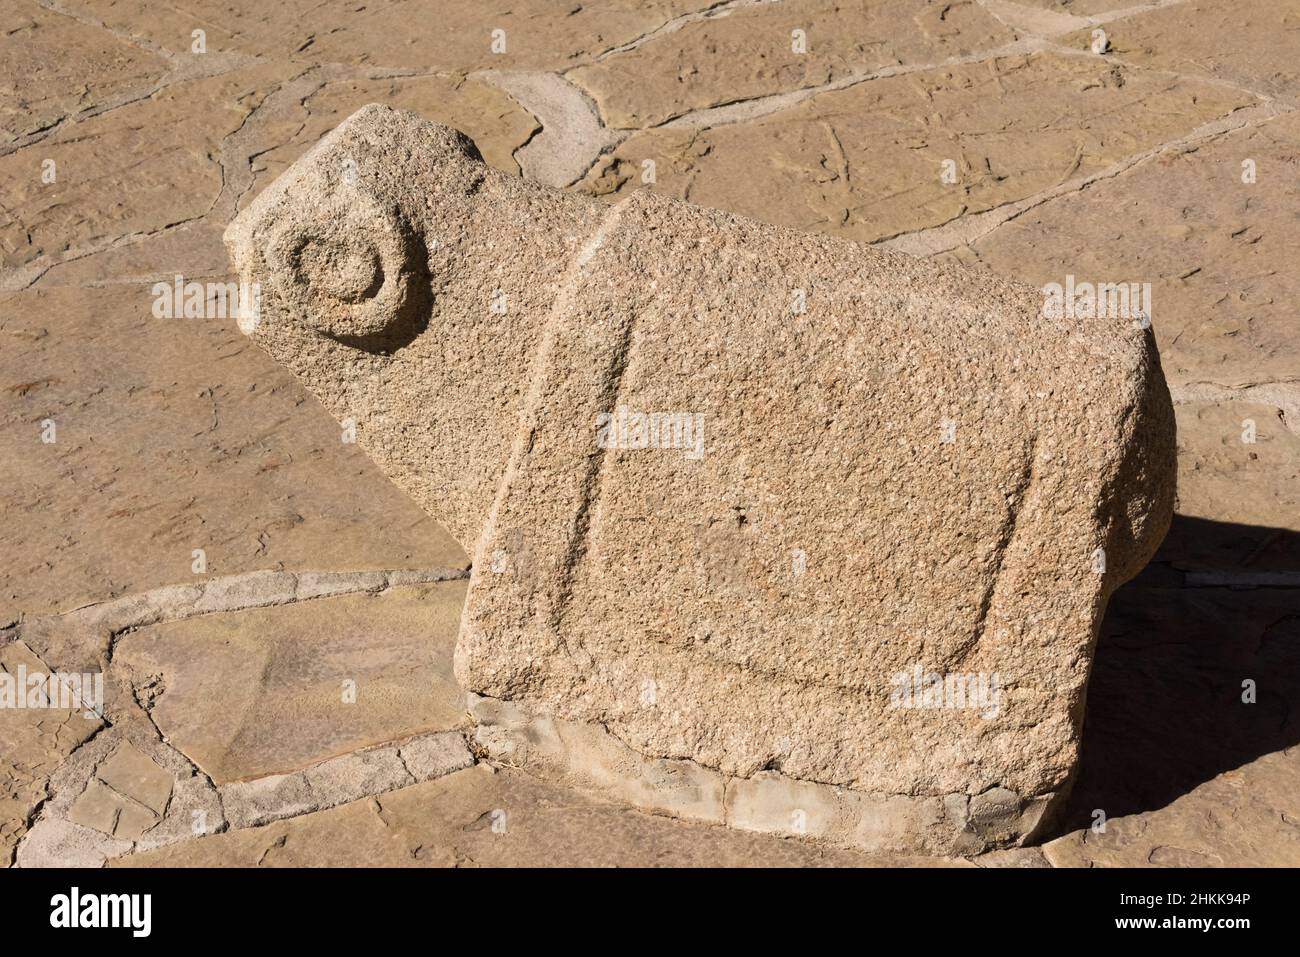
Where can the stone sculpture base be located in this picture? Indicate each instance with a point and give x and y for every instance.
(591, 759)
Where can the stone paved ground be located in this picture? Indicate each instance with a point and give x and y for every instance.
(127, 142)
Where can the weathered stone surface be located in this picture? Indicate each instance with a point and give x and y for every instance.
(478, 818)
(498, 125)
(52, 67)
(752, 52)
(133, 775)
(110, 507)
(265, 691)
(578, 544)
(123, 789)
(867, 162)
(1190, 739)
(1214, 248)
(589, 758)
(33, 743)
(1184, 770)
(452, 37)
(110, 170)
(1240, 42)
(1238, 489)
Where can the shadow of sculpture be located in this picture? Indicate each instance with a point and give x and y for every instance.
(1216, 610)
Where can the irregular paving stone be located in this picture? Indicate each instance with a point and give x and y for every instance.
(496, 123)
(1238, 490)
(452, 36)
(172, 435)
(1190, 738)
(138, 169)
(52, 67)
(348, 777)
(251, 693)
(867, 162)
(104, 809)
(477, 818)
(1215, 249)
(130, 773)
(751, 53)
(1078, 8)
(578, 542)
(1244, 818)
(32, 745)
(86, 820)
(1247, 42)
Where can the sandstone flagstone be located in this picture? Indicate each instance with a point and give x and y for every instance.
(144, 167)
(451, 36)
(904, 153)
(755, 51)
(265, 691)
(33, 743)
(1213, 246)
(1248, 42)
(497, 124)
(52, 67)
(112, 507)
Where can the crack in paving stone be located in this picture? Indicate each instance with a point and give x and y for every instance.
(968, 229)
(720, 9)
(1283, 395)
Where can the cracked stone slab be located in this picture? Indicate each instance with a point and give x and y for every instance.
(590, 759)
(456, 36)
(565, 611)
(1244, 818)
(33, 743)
(571, 134)
(1250, 43)
(496, 122)
(87, 820)
(750, 53)
(343, 779)
(476, 817)
(53, 68)
(268, 690)
(251, 471)
(868, 162)
(1214, 248)
(135, 170)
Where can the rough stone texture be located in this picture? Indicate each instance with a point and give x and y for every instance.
(1184, 770)
(52, 68)
(1064, 446)
(751, 53)
(32, 745)
(350, 282)
(866, 162)
(237, 474)
(454, 37)
(123, 789)
(247, 694)
(497, 124)
(1246, 42)
(348, 777)
(588, 757)
(450, 823)
(1215, 250)
(141, 175)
